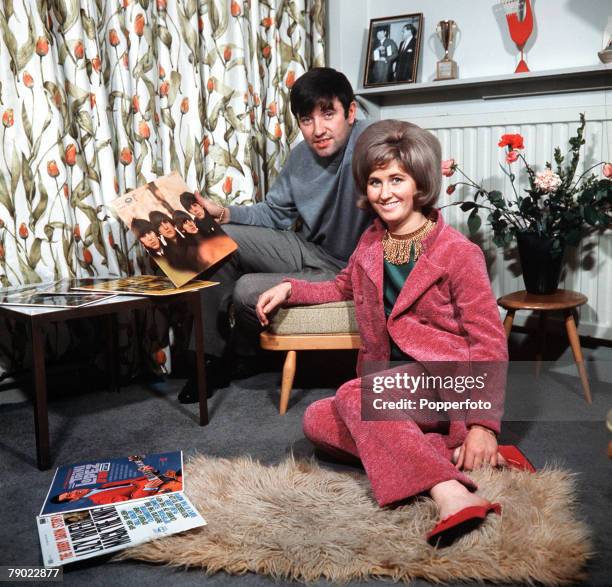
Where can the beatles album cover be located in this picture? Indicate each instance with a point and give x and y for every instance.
(175, 230)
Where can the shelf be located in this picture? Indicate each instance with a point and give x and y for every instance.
(533, 83)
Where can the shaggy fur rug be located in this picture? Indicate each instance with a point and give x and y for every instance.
(297, 520)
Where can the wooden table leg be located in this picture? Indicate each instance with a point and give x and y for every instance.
(508, 322)
(110, 323)
(41, 414)
(574, 340)
(196, 312)
(287, 381)
(541, 342)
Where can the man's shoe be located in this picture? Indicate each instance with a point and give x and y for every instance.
(216, 378)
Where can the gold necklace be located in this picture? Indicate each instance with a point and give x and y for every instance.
(396, 247)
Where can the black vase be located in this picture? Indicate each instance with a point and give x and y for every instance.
(541, 264)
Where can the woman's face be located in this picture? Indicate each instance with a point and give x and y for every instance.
(391, 192)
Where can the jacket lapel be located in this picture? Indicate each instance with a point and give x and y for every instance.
(372, 260)
(421, 278)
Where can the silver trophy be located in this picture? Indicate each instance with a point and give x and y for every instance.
(446, 68)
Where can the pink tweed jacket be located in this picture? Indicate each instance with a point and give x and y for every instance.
(446, 310)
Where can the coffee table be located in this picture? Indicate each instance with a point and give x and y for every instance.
(36, 317)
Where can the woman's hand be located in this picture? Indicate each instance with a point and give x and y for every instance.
(478, 448)
(271, 299)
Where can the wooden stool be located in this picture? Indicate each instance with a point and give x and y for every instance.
(330, 326)
(562, 300)
(303, 342)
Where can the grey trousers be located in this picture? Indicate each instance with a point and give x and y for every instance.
(264, 257)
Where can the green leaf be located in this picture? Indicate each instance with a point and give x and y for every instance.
(84, 121)
(34, 256)
(27, 125)
(29, 275)
(5, 198)
(28, 179)
(590, 215)
(167, 118)
(175, 82)
(42, 203)
(15, 170)
(465, 206)
(474, 222)
(164, 35)
(89, 25)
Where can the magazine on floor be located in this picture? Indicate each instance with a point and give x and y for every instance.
(146, 285)
(99, 507)
(172, 226)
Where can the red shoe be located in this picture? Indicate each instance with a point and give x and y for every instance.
(515, 459)
(461, 523)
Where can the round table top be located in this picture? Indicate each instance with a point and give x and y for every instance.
(562, 299)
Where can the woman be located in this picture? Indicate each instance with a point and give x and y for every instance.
(421, 292)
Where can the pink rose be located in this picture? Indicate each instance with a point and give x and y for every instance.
(607, 170)
(448, 167)
(512, 156)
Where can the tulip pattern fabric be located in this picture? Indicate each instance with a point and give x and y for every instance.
(99, 97)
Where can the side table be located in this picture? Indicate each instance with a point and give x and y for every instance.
(562, 300)
(36, 317)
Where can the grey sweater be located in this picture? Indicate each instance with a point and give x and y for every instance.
(321, 192)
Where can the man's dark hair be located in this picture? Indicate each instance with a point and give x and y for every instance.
(179, 217)
(319, 87)
(157, 218)
(140, 227)
(187, 200)
(56, 499)
(411, 28)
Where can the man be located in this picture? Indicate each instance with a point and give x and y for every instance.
(203, 221)
(406, 54)
(382, 58)
(316, 186)
(146, 234)
(179, 254)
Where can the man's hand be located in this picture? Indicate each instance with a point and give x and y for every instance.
(270, 299)
(478, 448)
(215, 210)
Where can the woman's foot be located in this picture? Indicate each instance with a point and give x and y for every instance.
(460, 512)
(452, 497)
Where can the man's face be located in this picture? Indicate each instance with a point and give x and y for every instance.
(190, 227)
(167, 229)
(73, 495)
(150, 241)
(197, 210)
(326, 131)
(381, 34)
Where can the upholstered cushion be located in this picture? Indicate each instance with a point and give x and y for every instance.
(320, 319)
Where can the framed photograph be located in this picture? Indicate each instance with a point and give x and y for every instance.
(394, 44)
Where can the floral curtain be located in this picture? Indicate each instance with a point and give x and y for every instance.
(98, 97)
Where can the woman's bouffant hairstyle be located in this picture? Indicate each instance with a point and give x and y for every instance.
(415, 149)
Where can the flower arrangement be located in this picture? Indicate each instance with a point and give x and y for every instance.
(557, 205)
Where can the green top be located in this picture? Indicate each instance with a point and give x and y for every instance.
(394, 278)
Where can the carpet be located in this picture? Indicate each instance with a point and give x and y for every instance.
(297, 520)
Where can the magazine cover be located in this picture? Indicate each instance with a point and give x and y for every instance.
(174, 228)
(147, 285)
(69, 537)
(93, 483)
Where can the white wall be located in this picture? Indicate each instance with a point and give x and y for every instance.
(567, 33)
